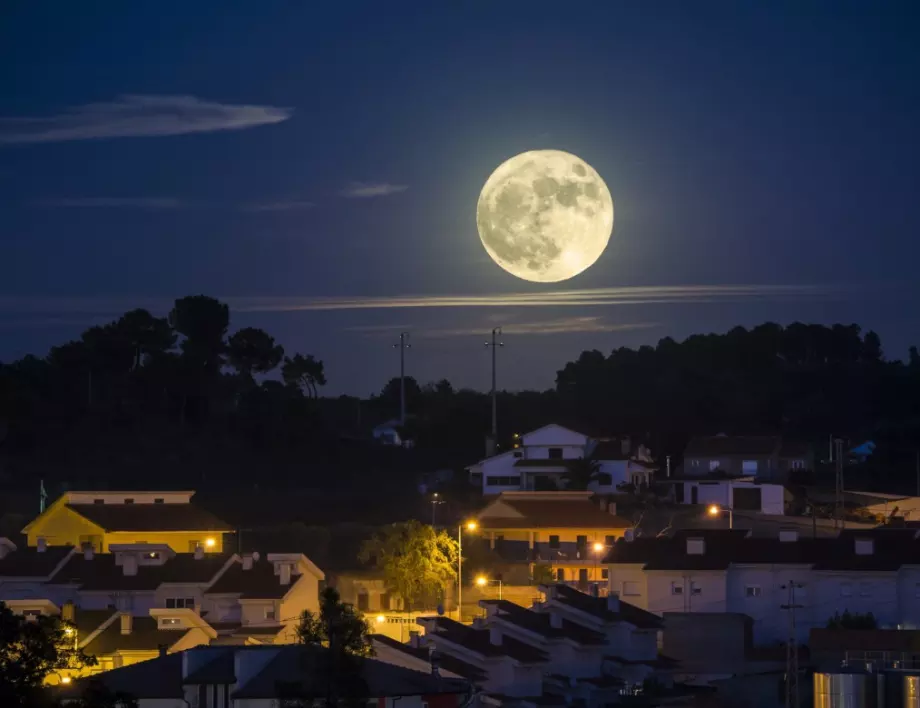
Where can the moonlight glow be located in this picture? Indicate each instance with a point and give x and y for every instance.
(545, 216)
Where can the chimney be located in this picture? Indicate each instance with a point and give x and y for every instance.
(41, 544)
(68, 611)
(629, 535)
(127, 622)
(161, 649)
(414, 638)
(612, 508)
(788, 535)
(555, 620)
(247, 562)
(603, 504)
(613, 603)
(285, 572)
(199, 552)
(435, 659)
(129, 564)
(495, 636)
(625, 445)
(88, 551)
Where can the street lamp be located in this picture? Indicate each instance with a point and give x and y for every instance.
(482, 581)
(435, 500)
(716, 510)
(598, 549)
(470, 526)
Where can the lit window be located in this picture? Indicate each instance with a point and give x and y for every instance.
(677, 589)
(605, 574)
(270, 613)
(752, 591)
(170, 622)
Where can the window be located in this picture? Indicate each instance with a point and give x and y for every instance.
(170, 622)
(129, 501)
(677, 588)
(158, 501)
(518, 454)
(582, 575)
(555, 453)
(609, 540)
(695, 589)
(694, 463)
(603, 479)
(31, 615)
(581, 542)
(846, 589)
(554, 542)
(269, 613)
(363, 602)
(193, 546)
(503, 481)
(605, 574)
(631, 587)
(98, 501)
(560, 575)
(385, 601)
(752, 591)
(749, 466)
(797, 464)
(714, 465)
(178, 603)
(865, 589)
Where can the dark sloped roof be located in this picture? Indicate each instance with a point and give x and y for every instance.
(218, 670)
(30, 563)
(540, 623)
(543, 463)
(160, 678)
(88, 621)
(561, 513)
(732, 445)
(447, 662)
(150, 517)
(260, 582)
(479, 641)
(145, 636)
(610, 450)
(598, 607)
(101, 573)
(302, 671)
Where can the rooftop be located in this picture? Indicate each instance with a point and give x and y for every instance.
(31, 563)
(599, 607)
(259, 582)
(524, 510)
(540, 623)
(101, 572)
(150, 517)
(479, 641)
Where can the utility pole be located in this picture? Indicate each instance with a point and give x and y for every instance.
(792, 649)
(839, 513)
(403, 345)
(496, 332)
(917, 466)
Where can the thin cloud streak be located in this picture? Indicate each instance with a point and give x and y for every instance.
(112, 202)
(137, 116)
(596, 297)
(366, 190)
(567, 325)
(278, 206)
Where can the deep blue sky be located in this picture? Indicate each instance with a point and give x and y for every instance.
(758, 144)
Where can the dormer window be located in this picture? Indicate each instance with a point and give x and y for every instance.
(159, 501)
(555, 453)
(129, 501)
(98, 501)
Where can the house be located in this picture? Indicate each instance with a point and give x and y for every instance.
(565, 534)
(263, 677)
(571, 647)
(766, 458)
(745, 494)
(719, 571)
(123, 601)
(100, 519)
(541, 459)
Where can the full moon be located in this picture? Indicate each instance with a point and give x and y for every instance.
(545, 216)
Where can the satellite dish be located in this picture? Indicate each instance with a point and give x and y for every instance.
(440, 609)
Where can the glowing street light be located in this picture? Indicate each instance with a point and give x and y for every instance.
(482, 581)
(716, 510)
(471, 525)
(381, 619)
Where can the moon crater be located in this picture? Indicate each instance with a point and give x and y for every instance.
(545, 216)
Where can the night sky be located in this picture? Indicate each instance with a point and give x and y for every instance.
(317, 165)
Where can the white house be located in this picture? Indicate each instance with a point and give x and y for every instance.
(862, 571)
(541, 458)
(741, 494)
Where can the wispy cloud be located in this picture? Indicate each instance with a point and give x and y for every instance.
(595, 297)
(134, 116)
(112, 202)
(565, 325)
(365, 190)
(278, 206)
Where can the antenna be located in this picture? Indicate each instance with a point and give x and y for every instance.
(403, 345)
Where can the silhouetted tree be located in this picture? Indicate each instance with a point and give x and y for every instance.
(253, 350)
(304, 372)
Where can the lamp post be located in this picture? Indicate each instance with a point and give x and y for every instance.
(716, 509)
(472, 526)
(482, 581)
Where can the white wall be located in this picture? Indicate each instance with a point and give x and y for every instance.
(772, 496)
(253, 612)
(618, 475)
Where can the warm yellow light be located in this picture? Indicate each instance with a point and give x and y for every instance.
(714, 510)
(471, 525)
(381, 619)
(68, 631)
(481, 581)
(65, 679)
(598, 547)
(209, 542)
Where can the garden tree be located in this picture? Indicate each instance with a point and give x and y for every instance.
(852, 620)
(340, 633)
(252, 350)
(580, 473)
(417, 560)
(30, 651)
(304, 372)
